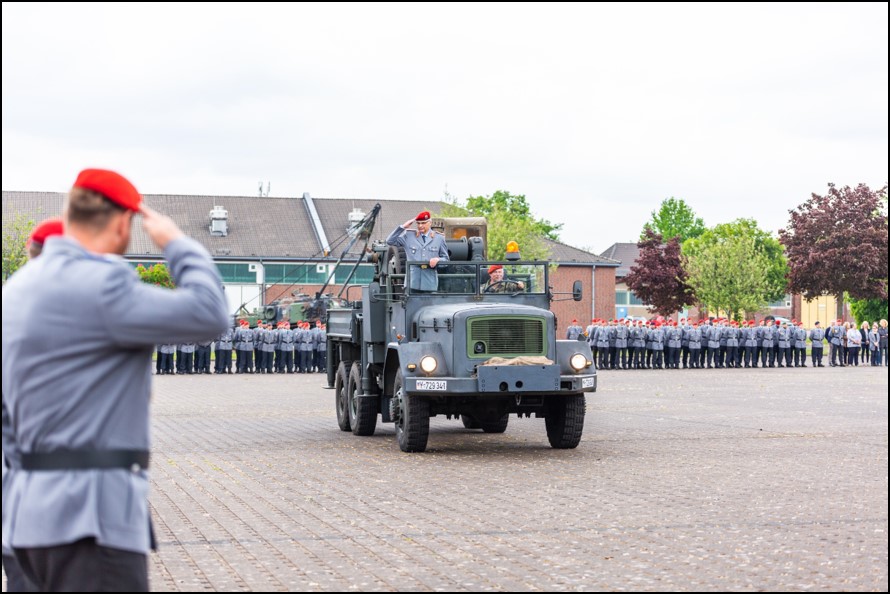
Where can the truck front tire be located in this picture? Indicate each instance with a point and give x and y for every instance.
(565, 421)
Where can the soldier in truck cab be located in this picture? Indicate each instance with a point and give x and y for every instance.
(425, 245)
(497, 284)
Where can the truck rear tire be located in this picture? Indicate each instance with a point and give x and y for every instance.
(470, 422)
(362, 411)
(496, 426)
(565, 421)
(341, 398)
(413, 424)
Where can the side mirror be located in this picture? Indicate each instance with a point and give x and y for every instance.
(577, 291)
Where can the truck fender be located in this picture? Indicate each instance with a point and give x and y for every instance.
(399, 356)
(564, 351)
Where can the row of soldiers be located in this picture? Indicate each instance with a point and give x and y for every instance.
(263, 349)
(719, 343)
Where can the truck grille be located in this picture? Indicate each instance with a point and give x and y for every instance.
(505, 337)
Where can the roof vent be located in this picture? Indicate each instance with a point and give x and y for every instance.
(354, 218)
(219, 221)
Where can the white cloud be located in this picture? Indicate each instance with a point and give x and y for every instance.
(595, 112)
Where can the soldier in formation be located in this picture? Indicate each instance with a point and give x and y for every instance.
(259, 350)
(708, 343)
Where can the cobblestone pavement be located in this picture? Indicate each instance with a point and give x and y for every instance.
(685, 480)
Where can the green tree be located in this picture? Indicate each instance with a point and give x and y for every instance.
(156, 274)
(736, 267)
(509, 219)
(674, 219)
(15, 240)
(868, 310)
(776, 271)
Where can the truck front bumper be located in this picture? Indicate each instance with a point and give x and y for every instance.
(503, 380)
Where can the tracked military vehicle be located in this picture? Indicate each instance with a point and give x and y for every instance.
(400, 357)
(300, 308)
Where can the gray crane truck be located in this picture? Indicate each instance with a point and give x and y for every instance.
(460, 351)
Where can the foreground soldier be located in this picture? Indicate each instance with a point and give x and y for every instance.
(15, 578)
(77, 380)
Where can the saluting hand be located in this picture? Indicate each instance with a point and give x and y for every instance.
(160, 228)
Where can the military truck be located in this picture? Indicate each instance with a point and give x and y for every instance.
(462, 352)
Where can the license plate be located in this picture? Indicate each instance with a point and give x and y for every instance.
(587, 382)
(438, 385)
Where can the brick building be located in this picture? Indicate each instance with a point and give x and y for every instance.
(268, 248)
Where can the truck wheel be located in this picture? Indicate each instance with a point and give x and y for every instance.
(469, 422)
(413, 424)
(497, 426)
(341, 398)
(565, 421)
(362, 411)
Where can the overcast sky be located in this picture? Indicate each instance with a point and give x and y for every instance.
(596, 113)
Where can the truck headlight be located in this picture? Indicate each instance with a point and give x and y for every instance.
(578, 362)
(428, 364)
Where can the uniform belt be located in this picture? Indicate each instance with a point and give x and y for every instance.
(134, 460)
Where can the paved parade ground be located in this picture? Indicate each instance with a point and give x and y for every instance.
(685, 480)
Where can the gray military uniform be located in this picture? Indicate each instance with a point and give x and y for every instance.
(78, 377)
(421, 248)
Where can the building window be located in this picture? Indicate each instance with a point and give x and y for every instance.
(287, 274)
(627, 298)
(363, 275)
(785, 302)
(236, 273)
(316, 274)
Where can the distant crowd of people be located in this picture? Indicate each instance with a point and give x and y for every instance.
(719, 343)
(257, 350)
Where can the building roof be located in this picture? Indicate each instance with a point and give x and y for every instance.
(566, 254)
(625, 253)
(267, 227)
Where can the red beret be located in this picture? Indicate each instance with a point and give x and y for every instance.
(45, 229)
(494, 267)
(113, 186)
(424, 216)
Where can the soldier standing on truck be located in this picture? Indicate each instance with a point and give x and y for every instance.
(423, 245)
